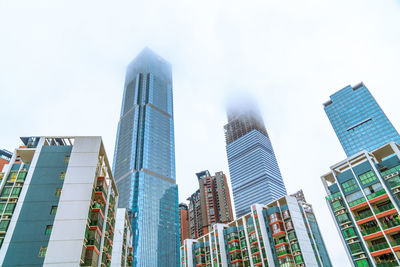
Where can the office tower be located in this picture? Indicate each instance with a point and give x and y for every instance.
(363, 193)
(57, 204)
(358, 121)
(215, 200)
(255, 174)
(183, 221)
(195, 217)
(5, 157)
(144, 161)
(276, 234)
(122, 252)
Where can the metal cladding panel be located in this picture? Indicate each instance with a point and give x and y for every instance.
(118, 238)
(29, 232)
(66, 241)
(301, 232)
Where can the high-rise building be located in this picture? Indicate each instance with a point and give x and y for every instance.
(215, 200)
(5, 157)
(144, 161)
(210, 204)
(57, 204)
(122, 252)
(358, 121)
(183, 221)
(363, 196)
(254, 170)
(195, 217)
(276, 234)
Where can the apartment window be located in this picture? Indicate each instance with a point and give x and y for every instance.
(42, 252)
(349, 186)
(58, 192)
(367, 177)
(48, 229)
(62, 175)
(66, 159)
(53, 210)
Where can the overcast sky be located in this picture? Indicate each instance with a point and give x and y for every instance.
(62, 67)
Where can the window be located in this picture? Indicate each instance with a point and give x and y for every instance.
(367, 177)
(2, 206)
(16, 191)
(58, 192)
(10, 208)
(48, 229)
(4, 225)
(6, 191)
(53, 210)
(337, 205)
(349, 186)
(42, 252)
(62, 175)
(343, 218)
(66, 159)
(362, 263)
(355, 248)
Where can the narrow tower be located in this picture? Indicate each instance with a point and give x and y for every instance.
(144, 161)
(255, 174)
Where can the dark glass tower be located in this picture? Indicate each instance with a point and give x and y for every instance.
(144, 161)
(255, 174)
(358, 121)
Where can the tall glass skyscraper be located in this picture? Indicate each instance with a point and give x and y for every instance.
(358, 121)
(255, 174)
(144, 161)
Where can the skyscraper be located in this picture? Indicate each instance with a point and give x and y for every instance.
(255, 174)
(358, 121)
(144, 161)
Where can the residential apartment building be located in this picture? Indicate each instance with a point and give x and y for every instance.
(358, 120)
(58, 202)
(144, 160)
(363, 196)
(122, 253)
(254, 170)
(276, 234)
(195, 216)
(183, 221)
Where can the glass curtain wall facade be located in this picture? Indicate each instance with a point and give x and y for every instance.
(254, 170)
(144, 161)
(358, 121)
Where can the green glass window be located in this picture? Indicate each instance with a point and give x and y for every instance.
(48, 229)
(2, 206)
(355, 248)
(395, 181)
(337, 205)
(349, 186)
(349, 232)
(6, 191)
(12, 176)
(362, 263)
(42, 252)
(4, 225)
(21, 176)
(10, 208)
(53, 210)
(367, 177)
(343, 218)
(16, 191)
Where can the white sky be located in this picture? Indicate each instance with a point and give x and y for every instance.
(62, 66)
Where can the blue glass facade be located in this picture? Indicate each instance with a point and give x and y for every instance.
(358, 121)
(254, 170)
(144, 161)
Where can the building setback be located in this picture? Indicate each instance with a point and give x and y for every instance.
(276, 234)
(57, 204)
(144, 161)
(363, 193)
(183, 221)
(358, 120)
(254, 170)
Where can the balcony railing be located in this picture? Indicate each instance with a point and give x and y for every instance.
(390, 224)
(395, 242)
(370, 230)
(384, 208)
(378, 247)
(364, 215)
(376, 194)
